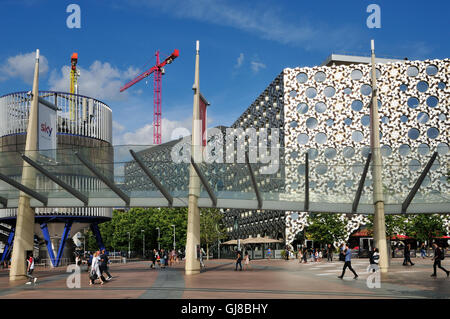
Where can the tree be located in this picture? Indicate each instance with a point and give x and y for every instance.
(326, 228)
(395, 224)
(211, 227)
(424, 227)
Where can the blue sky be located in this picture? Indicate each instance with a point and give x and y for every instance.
(244, 45)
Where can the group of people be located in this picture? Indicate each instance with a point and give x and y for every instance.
(98, 266)
(315, 255)
(239, 259)
(163, 258)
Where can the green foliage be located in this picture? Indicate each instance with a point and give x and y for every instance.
(325, 228)
(395, 224)
(424, 227)
(115, 232)
(211, 226)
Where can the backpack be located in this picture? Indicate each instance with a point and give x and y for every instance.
(442, 253)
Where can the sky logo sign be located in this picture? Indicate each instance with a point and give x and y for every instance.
(46, 129)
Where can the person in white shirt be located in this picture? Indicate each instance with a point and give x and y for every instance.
(30, 269)
(95, 269)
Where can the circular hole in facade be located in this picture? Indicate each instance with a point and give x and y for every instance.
(432, 133)
(423, 117)
(331, 184)
(357, 105)
(403, 87)
(365, 151)
(294, 155)
(414, 165)
(293, 124)
(403, 119)
(320, 76)
(321, 138)
(357, 136)
(294, 216)
(385, 120)
(301, 169)
(357, 168)
(365, 120)
(366, 89)
(320, 107)
(302, 139)
(379, 104)
(442, 148)
(311, 92)
(412, 71)
(348, 91)
(302, 108)
(312, 185)
(302, 78)
(330, 153)
(422, 86)
(386, 150)
(426, 181)
(313, 154)
(413, 102)
(413, 134)
(311, 123)
(423, 149)
(321, 169)
(329, 91)
(432, 70)
(404, 149)
(432, 101)
(294, 186)
(377, 73)
(441, 85)
(348, 152)
(329, 122)
(442, 117)
(405, 181)
(293, 93)
(348, 121)
(436, 165)
(356, 75)
(348, 183)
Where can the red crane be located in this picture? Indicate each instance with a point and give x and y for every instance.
(158, 71)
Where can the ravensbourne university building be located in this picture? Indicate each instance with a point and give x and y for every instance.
(321, 116)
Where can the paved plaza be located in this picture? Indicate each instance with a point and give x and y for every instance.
(274, 279)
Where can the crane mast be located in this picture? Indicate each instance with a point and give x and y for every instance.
(157, 71)
(74, 74)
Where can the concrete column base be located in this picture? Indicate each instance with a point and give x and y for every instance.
(191, 272)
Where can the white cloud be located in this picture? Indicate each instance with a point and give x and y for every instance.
(118, 127)
(144, 135)
(22, 66)
(100, 80)
(239, 61)
(256, 66)
(260, 18)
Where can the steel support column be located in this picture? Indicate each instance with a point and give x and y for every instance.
(306, 209)
(8, 247)
(48, 242)
(361, 184)
(98, 236)
(62, 244)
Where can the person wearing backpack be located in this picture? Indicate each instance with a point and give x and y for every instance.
(439, 255)
(374, 257)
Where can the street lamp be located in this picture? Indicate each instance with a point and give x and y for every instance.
(128, 245)
(173, 237)
(159, 248)
(143, 243)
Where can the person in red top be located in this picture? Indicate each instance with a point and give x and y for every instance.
(30, 268)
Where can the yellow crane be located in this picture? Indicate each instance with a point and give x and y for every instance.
(74, 74)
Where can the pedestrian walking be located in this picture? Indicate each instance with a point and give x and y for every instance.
(305, 256)
(153, 258)
(246, 261)
(104, 261)
(374, 258)
(202, 252)
(269, 253)
(238, 260)
(30, 269)
(407, 255)
(439, 256)
(163, 258)
(423, 251)
(329, 253)
(348, 263)
(341, 252)
(95, 270)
